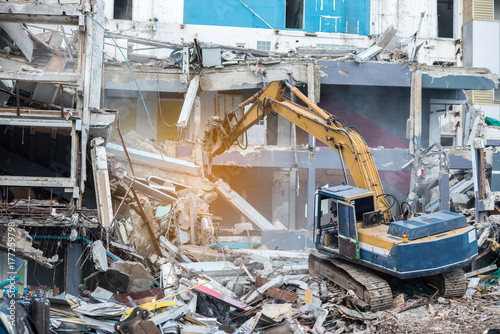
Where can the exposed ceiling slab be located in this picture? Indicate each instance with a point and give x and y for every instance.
(234, 77)
(399, 75)
(322, 158)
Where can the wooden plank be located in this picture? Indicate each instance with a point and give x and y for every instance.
(481, 271)
(308, 296)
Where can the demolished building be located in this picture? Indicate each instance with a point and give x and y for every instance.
(102, 143)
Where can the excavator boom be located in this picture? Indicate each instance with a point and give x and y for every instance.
(222, 133)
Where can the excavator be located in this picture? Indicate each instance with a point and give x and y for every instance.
(360, 245)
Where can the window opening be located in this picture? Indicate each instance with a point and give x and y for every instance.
(445, 18)
(294, 14)
(496, 10)
(122, 10)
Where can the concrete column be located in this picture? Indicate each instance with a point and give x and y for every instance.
(292, 202)
(444, 190)
(94, 45)
(73, 271)
(313, 95)
(311, 189)
(415, 126)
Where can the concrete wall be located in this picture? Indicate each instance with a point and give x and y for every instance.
(482, 49)
(490, 110)
(482, 45)
(379, 112)
(353, 24)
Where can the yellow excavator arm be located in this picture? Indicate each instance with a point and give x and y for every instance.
(220, 134)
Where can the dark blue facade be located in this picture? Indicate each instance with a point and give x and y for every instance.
(333, 16)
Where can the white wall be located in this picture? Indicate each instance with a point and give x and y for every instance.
(490, 110)
(486, 45)
(405, 16)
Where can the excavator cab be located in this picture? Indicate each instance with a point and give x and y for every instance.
(339, 209)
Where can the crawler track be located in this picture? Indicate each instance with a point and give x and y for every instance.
(373, 289)
(450, 284)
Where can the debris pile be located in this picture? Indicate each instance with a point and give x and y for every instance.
(261, 291)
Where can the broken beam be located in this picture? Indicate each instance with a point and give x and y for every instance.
(240, 204)
(33, 13)
(47, 77)
(49, 123)
(31, 181)
(188, 102)
(154, 160)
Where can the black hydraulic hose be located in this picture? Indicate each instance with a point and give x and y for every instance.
(395, 200)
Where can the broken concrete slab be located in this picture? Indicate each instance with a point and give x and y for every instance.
(140, 279)
(19, 240)
(111, 280)
(99, 256)
(212, 269)
(203, 253)
(167, 275)
(20, 38)
(154, 160)
(172, 249)
(240, 204)
(276, 310)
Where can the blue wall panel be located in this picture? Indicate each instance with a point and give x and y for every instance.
(233, 13)
(336, 16)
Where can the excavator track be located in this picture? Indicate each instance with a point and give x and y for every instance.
(450, 284)
(369, 287)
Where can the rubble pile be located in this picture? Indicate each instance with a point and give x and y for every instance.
(259, 292)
